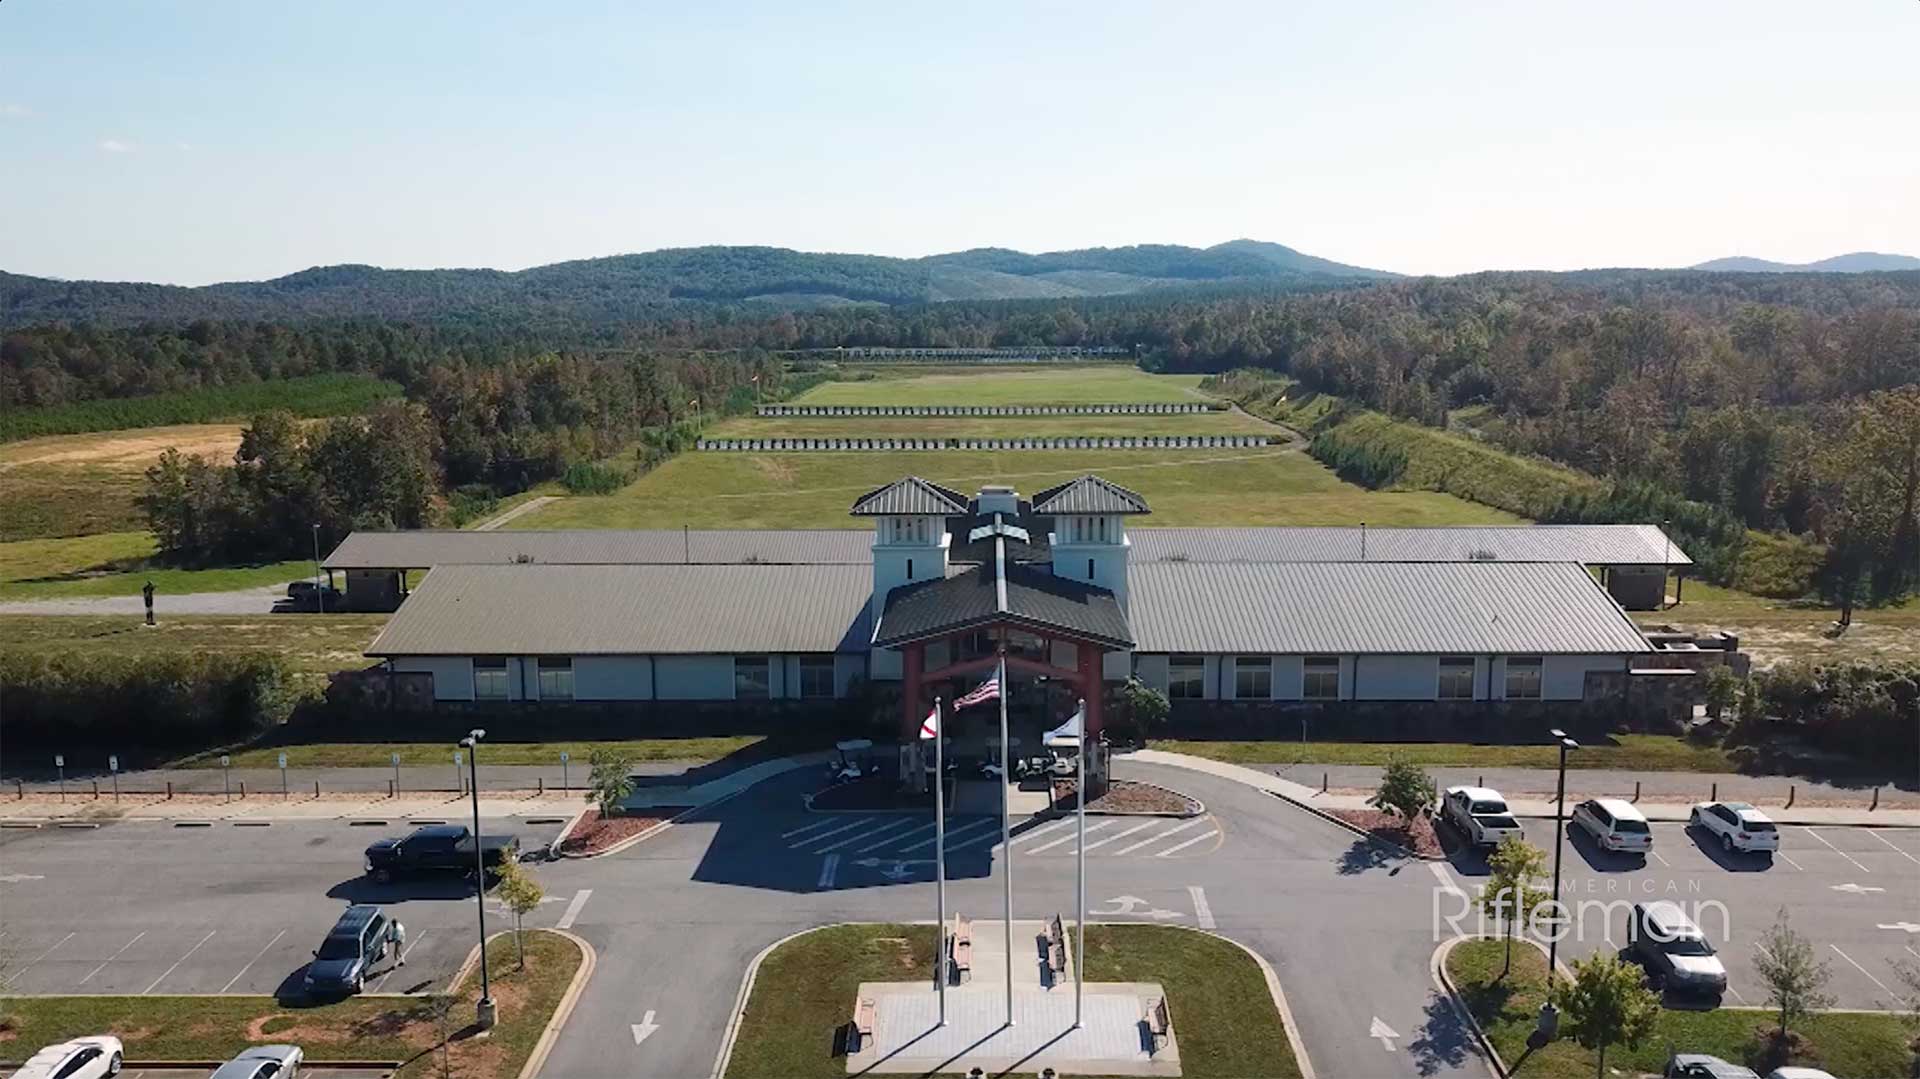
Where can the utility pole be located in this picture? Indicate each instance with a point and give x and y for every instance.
(319, 597)
(485, 1012)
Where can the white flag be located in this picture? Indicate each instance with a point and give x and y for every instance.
(930, 726)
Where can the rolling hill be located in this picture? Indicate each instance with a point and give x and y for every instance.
(1853, 262)
(625, 287)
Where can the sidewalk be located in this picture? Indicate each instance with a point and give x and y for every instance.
(393, 811)
(1311, 798)
(412, 779)
(698, 794)
(1767, 792)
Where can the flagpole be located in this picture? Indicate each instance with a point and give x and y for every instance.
(1080, 846)
(940, 853)
(1006, 825)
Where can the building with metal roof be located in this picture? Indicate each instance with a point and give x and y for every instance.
(945, 583)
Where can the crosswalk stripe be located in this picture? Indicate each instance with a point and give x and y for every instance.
(1036, 833)
(951, 833)
(1178, 847)
(808, 827)
(861, 823)
(892, 826)
(1068, 838)
(1116, 835)
(1158, 838)
(993, 835)
(895, 838)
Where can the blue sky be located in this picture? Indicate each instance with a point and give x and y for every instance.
(202, 141)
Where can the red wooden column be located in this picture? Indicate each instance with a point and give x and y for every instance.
(912, 708)
(1092, 688)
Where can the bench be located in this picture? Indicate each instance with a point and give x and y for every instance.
(862, 1023)
(1056, 946)
(1158, 1023)
(962, 947)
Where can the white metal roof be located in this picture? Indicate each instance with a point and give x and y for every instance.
(426, 548)
(1592, 545)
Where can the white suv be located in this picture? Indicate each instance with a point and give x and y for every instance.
(1739, 826)
(1480, 813)
(1614, 825)
(82, 1058)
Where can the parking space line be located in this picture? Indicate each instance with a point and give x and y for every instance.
(1118, 835)
(1445, 876)
(114, 956)
(1144, 842)
(42, 955)
(983, 837)
(1910, 948)
(951, 833)
(256, 959)
(893, 826)
(1787, 858)
(1861, 969)
(1202, 913)
(404, 952)
(1875, 833)
(808, 827)
(1036, 833)
(1068, 838)
(1836, 850)
(895, 838)
(861, 823)
(828, 867)
(1657, 857)
(177, 962)
(573, 909)
(1178, 847)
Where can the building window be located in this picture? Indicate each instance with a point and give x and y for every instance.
(1252, 678)
(750, 678)
(1186, 678)
(1456, 678)
(489, 678)
(556, 678)
(1523, 678)
(1320, 678)
(1089, 569)
(816, 676)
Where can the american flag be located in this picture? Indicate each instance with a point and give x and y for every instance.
(988, 690)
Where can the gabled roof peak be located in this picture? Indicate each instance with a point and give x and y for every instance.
(911, 496)
(1088, 494)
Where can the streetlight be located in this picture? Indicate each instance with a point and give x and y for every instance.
(319, 597)
(472, 743)
(1559, 841)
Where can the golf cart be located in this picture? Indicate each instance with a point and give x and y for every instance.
(846, 766)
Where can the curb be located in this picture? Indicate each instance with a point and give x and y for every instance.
(564, 1010)
(1273, 987)
(388, 1066)
(1359, 831)
(746, 990)
(1437, 969)
(638, 837)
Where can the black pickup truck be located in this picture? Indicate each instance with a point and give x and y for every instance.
(443, 848)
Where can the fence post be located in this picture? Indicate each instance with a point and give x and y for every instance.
(1793, 791)
(243, 790)
(316, 790)
(96, 788)
(1636, 790)
(1876, 800)
(19, 791)
(1323, 782)
(1715, 796)
(389, 788)
(169, 790)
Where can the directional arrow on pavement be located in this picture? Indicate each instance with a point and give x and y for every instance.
(644, 1028)
(1907, 927)
(875, 863)
(15, 878)
(1131, 904)
(1383, 1032)
(1856, 889)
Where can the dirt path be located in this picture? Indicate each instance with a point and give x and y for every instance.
(521, 510)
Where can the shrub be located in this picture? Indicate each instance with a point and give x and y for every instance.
(611, 782)
(588, 478)
(1405, 788)
(68, 702)
(1858, 709)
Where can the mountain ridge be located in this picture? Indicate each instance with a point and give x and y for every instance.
(1851, 262)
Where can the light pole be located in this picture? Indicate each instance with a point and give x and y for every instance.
(484, 1018)
(319, 597)
(1559, 841)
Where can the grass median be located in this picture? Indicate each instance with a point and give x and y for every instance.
(1222, 1013)
(1850, 1045)
(428, 754)
(1627, 752)
(410, 1030)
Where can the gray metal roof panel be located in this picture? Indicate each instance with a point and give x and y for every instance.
(1088, 494)
(1592, 545)
(1375, 607)
(630, 610)
(426, 548)
(910, 496)
(1035, 598)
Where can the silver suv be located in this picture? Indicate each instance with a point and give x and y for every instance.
(1676, 954)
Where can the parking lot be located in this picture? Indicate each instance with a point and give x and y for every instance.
(1854, 893)
(143, 907)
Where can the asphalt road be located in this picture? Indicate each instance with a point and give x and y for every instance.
(143, 907)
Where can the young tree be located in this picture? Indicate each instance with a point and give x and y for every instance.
(1607, 1003)
(1405, 788)
(611, 782)
(1514, 867)
(1143, 707)
(1722, 691)
(522, 894)
(1795, 980)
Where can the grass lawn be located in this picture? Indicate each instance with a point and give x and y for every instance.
(1849, 1045)
(1222, 1012)
(1102, 384)
(420, 754)
(1636, 752)
(1185, 487)
(117, 564)
(357, 1028)
(1196, 423)
(308, 642)
(76, 485)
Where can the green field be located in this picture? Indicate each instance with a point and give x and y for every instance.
(1850, 1045)
(117, 564)
(1629, 752)
(312, 395)
(1274, 486)
(1197, 423)
(1106, 384)
(307, 642)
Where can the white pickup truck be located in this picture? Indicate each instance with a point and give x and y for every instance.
(1480, 814)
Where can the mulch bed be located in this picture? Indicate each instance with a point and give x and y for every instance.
(594, 833)
(1417, 835)
(1126, 796)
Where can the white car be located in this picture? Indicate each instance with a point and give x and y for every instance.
(1739, 826)
(1614, 825)
(81, 1058)
(1480, 813)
